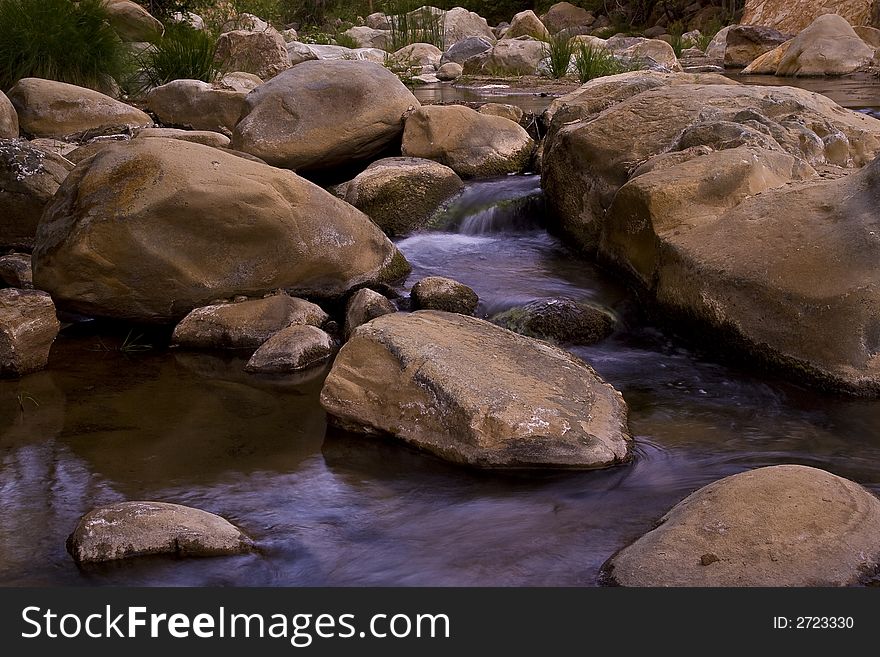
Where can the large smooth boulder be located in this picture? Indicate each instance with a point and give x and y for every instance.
(509, 112)
(262, 53)
(55, 109)
(645, 54)
(566, 16)
(401, 194)
(795, 15)
(246, 324)
(449, 71)
(150, 230)
(745, 43)
(526, 23)
(29, 177)
(474, 393)
(471, 144)
(321, 114)
(28, 327)
(508, 58)
(132, 22)
(295, 348)
(465, 49)
(784, 525)
(197, 105)
(8, 118)
(829, 46)
(133, 529)
(460, 24)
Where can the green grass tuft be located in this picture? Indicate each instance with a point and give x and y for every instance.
(592, 62)
(183, 53)
(558, 51)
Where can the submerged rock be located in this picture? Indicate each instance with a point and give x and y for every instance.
(401, 194)
(133, 529)
(28, 327)
(439, 293)
(322, 114)
(150, 230)
(471, 144)
(292, 349)
(29, 177)
(365, 305)
(472, 393)
(785, 525)
(244, 325)
(55, 109)
(558, 320)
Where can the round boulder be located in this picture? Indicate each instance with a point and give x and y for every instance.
(558, 320)
(292, 349)
(321, 114)
(365, 305)
(439, 293)
(196, 104)
(8, 118)
(526, 23)
(785, 525)
(150, 230)
(133, 529)
(263, 53)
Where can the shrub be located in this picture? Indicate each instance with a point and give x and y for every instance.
(183, 53)
(558, 51)
(592, 62)
(60, 40)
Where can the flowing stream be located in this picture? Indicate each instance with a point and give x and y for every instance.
(105, 424)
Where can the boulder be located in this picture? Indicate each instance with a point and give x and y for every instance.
(8, 118)
(768, 63)
(196, 104)
(829, 46)
(300, 52)
(795, 15)
(449, 71)
(472, 393)
(28, 327)
(745, 43)
(471, 144)
(367, 37)
(718, 44)
(322, 114)
(460, 24)
(132, 529)
(195, 21)
(526, 23)
(401, 194)
(150, 230)
(460, 52)
(292, 349)
(439, 293)
(507, 58)
(29, 177)
(599, 133)
(55, 109)
(558, 320)
(15, 271)
(246, 324)
(206, 137)
(340, 53)
(418, 54)
(363, 306)
(870, 35)
(132, 22)
(262, 53)
(647, 54)
(509, 112)
(784, 525)
(565, 16)
(378, 21)
(239, 81)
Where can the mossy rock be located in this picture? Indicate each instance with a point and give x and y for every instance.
(559, 320)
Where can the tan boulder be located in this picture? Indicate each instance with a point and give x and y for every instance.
(322, 114)
(418, 54)
(795, 15)
(648, 54)
(768, 63)
(152, 229)
(509, 112)
(471, 144)
(828, 46)
(196, 104)
(292, 349)
(561, 320)
(870, 35)
(566, 16)
(401, 194)
(784, 525)
(29, 177)
(245, 324)
(449, 71)
(364, 306)
(473, 393)
(367, 37)
(8, 118)
(28, 327)
(262, 53)
(526, 23)
(132, 529)
(460, 24)
(446, 294)
(745, 43)
(508, 58)
(239, 81)
(55, 109)
(132, 22)
(205, 137)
